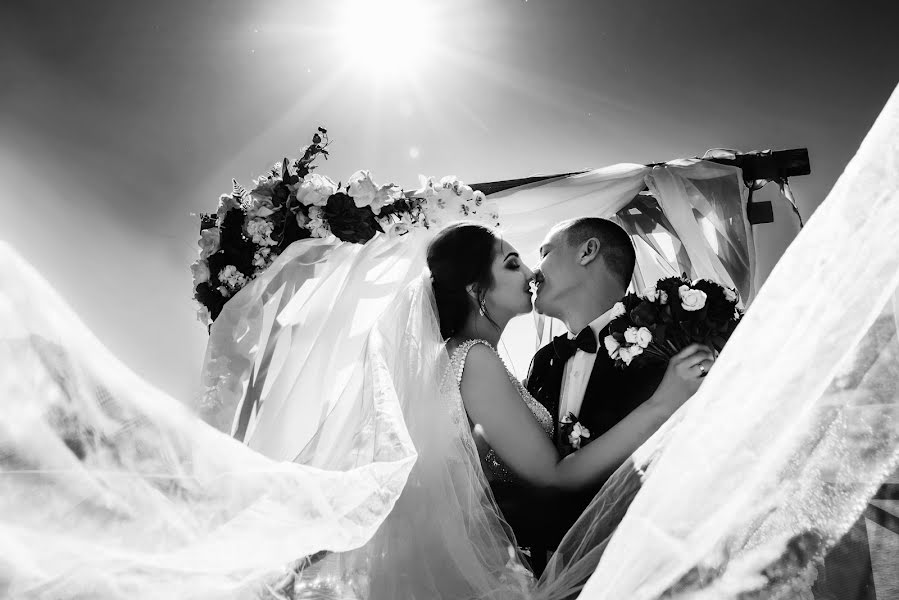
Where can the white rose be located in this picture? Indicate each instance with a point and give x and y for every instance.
(210, 240)
(611, 345)
(385, 194)
(691, 300)
(624, 353)
(479, 198)
(644, 337)
(315, 190)
(729, 294)
(466, 193)
(630, 335)
(618, 310)
(361, 188)
(200, 270)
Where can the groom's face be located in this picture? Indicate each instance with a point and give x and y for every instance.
(557, 274)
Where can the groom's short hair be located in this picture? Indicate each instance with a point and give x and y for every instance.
(615, 246)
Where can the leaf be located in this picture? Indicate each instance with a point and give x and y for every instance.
(237, 190)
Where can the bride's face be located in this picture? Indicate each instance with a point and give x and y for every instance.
(510, 294)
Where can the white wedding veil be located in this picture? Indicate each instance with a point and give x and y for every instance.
(358, 477)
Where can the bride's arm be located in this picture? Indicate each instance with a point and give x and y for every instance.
(508, 426)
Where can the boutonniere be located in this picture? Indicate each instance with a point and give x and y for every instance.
(574, 434)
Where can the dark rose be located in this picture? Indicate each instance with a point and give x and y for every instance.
(350, 224)
(644, 314)
(718, 306)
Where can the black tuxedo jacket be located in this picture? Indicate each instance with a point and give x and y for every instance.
(611, 394)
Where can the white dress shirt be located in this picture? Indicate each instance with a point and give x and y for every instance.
(578, 369)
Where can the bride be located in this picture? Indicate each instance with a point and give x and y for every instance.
(369, 482)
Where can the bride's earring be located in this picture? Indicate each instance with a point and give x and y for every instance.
(482, 307)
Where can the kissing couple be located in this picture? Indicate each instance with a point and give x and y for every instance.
(547, 445)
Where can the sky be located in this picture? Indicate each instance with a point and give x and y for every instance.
(121, 120)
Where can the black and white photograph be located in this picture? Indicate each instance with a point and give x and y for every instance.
(449, 299)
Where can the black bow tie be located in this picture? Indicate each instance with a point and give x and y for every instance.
(566, 347)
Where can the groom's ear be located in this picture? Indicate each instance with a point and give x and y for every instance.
(588, 252)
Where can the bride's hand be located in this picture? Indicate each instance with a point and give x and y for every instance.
(684, 374)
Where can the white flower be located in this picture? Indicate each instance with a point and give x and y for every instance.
(466, 193)
(630, 335)
(259, 207)
(478, 197)
(210, 240)
(200, 270)
(227, 202)
(729, 294)
(452, 183)
(568, 418)
(232, 278)
(302, 219)
(316, 212)
(651, 294)
(260, 232)
(361, 188)
(611, 345)
(428, 188)
(628, 353)
(318, 228)
(385, 194)
(644, 337)
(691, 300)
(261, 257)
(578, 431)
(203, 315)
(315, 190)
(618, 310)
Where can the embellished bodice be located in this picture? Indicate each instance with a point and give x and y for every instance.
(492, 464)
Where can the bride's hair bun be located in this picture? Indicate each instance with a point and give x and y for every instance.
(459, 256)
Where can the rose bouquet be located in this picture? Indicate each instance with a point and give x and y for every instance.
(668, 317)
(292, 203)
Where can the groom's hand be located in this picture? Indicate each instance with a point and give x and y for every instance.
(684, 374)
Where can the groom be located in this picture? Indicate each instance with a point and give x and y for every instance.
(586, 265)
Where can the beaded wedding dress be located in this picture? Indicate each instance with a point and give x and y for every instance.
(356, 475)
(494, 467)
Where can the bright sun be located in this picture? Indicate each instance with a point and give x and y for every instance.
(390, 38)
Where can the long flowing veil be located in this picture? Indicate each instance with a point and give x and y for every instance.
(354, 474)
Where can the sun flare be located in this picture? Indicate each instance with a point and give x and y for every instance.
(386, 38)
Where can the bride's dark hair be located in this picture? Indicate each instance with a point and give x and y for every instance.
(459, 256)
